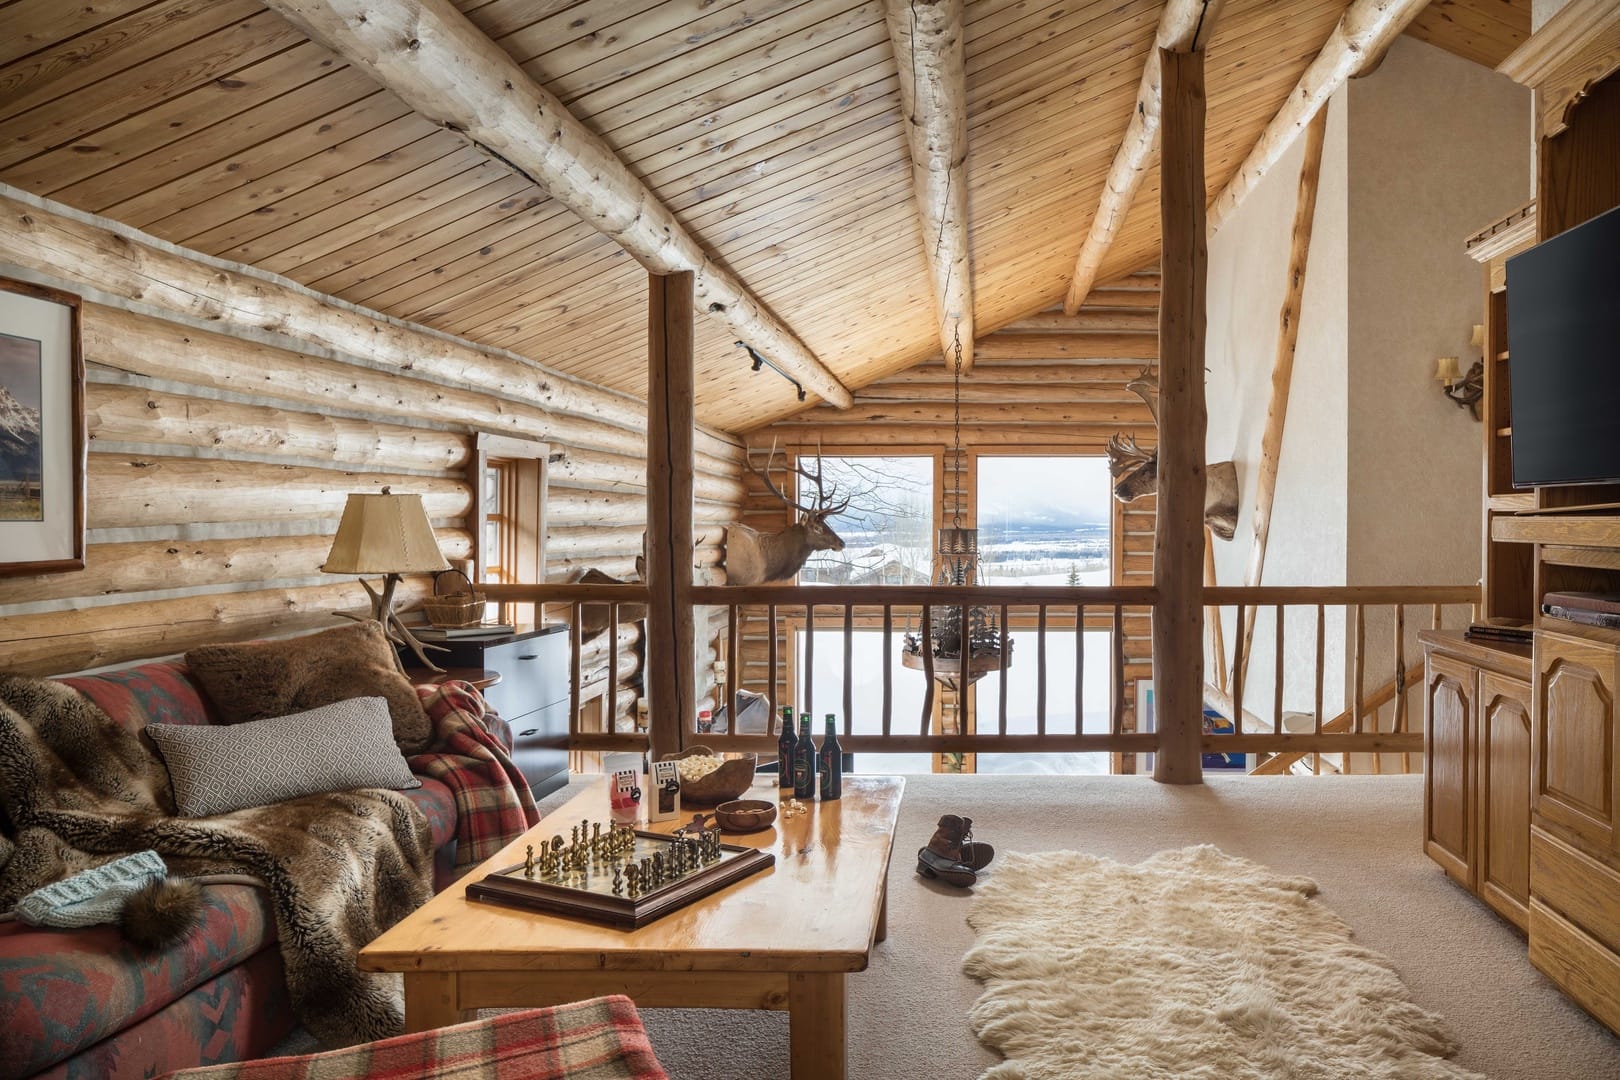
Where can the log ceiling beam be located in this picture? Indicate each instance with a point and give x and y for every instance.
(1185, 26)
(1357, 44)
(927, 36)
(445, 68)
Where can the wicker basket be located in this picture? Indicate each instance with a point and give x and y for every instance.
(457, 609)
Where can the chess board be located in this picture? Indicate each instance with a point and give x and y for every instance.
(619, 876)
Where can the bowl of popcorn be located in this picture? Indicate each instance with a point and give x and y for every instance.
(707, 779)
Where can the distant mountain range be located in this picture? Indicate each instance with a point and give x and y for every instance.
(19, 439)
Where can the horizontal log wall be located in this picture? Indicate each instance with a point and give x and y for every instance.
(1051, 382)
(222, 450)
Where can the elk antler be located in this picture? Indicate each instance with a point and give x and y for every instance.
(1124, 454)
(1146, 387)
(822, 495)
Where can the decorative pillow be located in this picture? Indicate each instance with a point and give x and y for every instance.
(262, 679)
(216, 769)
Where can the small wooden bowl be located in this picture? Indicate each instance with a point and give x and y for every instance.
(745, 815)
(727, 782)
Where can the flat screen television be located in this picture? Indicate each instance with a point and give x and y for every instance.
(1563, 312)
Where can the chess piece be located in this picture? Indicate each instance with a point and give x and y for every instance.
(618, 880)
(634, 875)
(528, 863)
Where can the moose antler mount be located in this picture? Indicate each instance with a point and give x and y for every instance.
(1135, 471)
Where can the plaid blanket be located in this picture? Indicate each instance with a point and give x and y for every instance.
(493, 801)
(600, 1039)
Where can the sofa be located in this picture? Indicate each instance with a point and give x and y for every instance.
(85, 1003)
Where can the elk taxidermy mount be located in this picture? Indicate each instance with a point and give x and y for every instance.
(753, 557)
(1135, 471)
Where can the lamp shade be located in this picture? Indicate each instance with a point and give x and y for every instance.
(384, 534)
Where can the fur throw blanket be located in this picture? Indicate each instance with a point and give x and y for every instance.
(77, 790)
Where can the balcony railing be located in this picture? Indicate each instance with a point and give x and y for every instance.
(1379, 723)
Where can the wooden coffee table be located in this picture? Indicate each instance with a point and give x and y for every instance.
(782, 939)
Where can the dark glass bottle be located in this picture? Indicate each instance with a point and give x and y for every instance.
(786, 742)
(831, 757)
(804, 762)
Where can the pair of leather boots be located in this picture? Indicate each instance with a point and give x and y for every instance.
(953, 856)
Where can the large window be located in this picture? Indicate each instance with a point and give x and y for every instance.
(888, 527)
(1044, 521)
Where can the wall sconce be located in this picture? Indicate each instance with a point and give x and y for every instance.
(1465, 391)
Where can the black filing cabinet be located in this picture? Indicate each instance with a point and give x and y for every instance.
(532, 695)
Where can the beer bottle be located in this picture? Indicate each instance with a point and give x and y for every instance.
(832, 762)
(785, 744)
(804, 762)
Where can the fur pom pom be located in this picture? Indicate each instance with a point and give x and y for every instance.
(162, 913)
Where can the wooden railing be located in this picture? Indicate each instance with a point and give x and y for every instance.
(1361, 727)
(874, 725)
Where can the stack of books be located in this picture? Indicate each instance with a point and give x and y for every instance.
(1513, 631)
(1586, 608)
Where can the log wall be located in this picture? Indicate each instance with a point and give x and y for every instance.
(222, 449)
(1051, 383)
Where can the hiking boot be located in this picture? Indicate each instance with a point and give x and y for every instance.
(931, 864)
(952, 855)
(975, 853)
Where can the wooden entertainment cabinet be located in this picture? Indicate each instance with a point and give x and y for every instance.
(1522, 772)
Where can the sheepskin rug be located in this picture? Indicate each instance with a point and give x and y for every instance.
(1192, 963)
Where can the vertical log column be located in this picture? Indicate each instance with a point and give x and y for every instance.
(1178, 556)
(671, 649)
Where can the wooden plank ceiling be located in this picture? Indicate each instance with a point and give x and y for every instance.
(1483, 31)
(771, 128)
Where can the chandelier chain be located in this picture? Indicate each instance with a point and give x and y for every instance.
(956, 427)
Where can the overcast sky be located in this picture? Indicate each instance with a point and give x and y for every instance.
(19, 369)
(1032, 488)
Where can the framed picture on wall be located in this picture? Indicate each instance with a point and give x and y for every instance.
(42, 436)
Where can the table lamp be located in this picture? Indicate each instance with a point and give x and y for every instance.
(386, 534)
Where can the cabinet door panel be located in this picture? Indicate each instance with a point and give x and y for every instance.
(1448, 707)
(1573, 748)
(1504, 795)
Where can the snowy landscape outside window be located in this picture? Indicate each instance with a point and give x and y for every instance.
(888, 529)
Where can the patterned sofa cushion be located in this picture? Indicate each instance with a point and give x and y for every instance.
(65, 990)
(162, 692)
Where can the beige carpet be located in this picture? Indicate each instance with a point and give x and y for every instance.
(1357, 837)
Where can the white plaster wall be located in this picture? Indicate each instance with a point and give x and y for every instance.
(1436, 154)
(1248, 265)
(1542, 10)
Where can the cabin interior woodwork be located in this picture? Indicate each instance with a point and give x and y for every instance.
(307, 268)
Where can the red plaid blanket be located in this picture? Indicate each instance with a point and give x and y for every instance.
(493, 801)
(600, 1039)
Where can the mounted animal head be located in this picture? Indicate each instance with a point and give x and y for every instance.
(1136, 471)
(753, 557)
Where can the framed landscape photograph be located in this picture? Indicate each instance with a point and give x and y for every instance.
(42, 437)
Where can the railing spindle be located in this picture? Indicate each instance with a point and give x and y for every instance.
(928, 668)
(577, 640)
(1237, 672)
(1001, 689)
(1435, 617)
(888, 666)
(1277, 700)
(1040, 670)
(809, 696)
(1321, 664)
(770, 662)
(1400, 680)
(849, 667)
(1117, 720)
(733, 665)
(611, 710)
(1358, 666)
(1079, 668)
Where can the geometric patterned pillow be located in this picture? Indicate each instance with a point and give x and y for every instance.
(219, 768)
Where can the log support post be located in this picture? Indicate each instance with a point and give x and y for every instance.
(671, 640)
(1178, 556)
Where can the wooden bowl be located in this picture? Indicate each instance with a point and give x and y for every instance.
(727, 782)
(745, 815)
